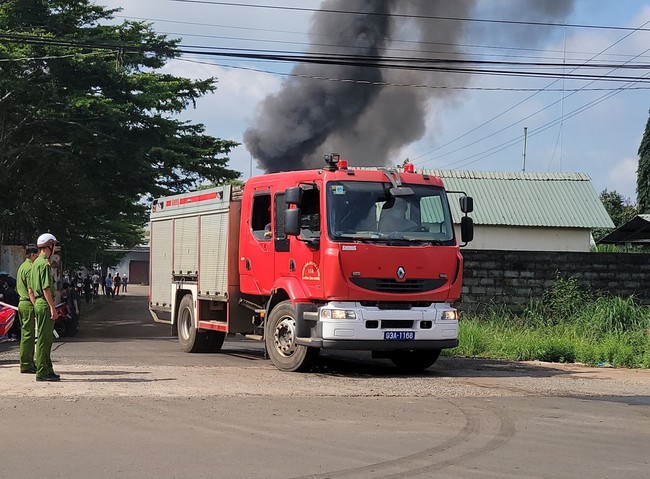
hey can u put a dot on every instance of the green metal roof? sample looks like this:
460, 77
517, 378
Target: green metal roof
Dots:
527, 199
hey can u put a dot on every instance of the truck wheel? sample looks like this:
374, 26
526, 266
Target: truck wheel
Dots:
190, 339
280, 340
215, 341
415, 360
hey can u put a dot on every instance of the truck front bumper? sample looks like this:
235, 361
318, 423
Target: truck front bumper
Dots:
371, 328
382, 345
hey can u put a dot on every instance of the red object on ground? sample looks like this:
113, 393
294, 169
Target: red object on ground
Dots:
62, 310
7, 317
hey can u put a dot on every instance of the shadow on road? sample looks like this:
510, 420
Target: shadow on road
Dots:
116, 380
126, 319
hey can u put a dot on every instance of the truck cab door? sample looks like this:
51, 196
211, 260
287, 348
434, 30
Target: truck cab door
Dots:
284, 266
304, 259
256, 263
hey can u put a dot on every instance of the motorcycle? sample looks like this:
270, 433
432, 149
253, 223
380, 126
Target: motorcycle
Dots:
66, 324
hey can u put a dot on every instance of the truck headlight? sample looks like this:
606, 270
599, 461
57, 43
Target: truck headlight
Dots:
337, 314
449, 315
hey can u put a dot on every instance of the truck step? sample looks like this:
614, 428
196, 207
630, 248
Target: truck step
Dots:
214, 325
255, 337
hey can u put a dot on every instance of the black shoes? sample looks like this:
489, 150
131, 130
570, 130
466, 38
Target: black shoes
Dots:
29, 371
52, 377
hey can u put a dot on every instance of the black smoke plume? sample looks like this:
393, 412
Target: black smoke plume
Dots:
366, 122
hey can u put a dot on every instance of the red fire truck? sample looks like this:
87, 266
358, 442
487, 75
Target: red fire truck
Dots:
336, 258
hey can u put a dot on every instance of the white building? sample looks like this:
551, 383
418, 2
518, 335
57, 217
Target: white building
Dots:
528, 211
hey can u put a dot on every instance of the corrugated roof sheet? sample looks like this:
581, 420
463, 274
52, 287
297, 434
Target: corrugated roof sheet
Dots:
528, 199
637, 230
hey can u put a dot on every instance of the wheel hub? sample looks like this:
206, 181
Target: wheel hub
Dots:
284, 336
184, 325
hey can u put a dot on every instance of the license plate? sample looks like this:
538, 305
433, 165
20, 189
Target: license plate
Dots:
399, 335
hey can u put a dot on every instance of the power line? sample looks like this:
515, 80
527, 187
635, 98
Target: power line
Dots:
404, 15
406, 85
51, 57
458, 66
388, 38
503, 146
528, 98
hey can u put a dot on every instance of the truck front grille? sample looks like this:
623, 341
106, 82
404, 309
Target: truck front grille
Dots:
390, 285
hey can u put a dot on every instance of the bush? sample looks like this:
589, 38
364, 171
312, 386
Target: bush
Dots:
472, 339
567, 325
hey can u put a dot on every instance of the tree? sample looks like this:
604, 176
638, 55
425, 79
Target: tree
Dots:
643, 172
620, 210
89, 131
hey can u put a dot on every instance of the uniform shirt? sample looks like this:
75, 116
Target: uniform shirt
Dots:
41, 275
24, 280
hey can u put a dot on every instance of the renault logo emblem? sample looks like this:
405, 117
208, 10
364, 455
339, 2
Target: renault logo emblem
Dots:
401, 272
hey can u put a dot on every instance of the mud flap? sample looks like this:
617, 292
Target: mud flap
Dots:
306, 323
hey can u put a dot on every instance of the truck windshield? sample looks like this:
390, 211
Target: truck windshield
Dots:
366, 211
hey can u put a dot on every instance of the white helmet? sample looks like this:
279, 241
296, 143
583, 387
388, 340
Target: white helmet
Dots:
45, 238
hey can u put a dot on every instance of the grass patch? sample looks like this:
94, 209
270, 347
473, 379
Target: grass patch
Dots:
567, 325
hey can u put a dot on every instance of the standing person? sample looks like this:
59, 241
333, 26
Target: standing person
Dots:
44, 308
26, 311
72, 300
125, 281
117, 281
109, 284
95, 284
88, 288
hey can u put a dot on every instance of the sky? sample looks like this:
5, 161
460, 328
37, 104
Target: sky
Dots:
476, 123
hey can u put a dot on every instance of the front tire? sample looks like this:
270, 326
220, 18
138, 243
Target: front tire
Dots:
280, 340
414, 361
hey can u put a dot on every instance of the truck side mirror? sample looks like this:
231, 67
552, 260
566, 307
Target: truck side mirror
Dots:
466, 204
466, 229
293, 195
292, 221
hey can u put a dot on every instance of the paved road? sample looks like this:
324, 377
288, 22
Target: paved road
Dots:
132, 405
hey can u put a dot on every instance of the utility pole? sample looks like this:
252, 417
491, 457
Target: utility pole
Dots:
523, 161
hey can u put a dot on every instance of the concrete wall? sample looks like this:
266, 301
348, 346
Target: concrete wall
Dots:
11, 257
518, 238
513, 278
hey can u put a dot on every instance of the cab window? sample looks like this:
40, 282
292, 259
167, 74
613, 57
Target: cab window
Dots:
261, 217
310, 214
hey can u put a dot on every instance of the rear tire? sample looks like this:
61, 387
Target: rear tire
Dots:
280, 340
190, 339
215, 341
415, 360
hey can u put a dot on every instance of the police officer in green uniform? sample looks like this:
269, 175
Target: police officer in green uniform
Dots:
44, 308
26, 310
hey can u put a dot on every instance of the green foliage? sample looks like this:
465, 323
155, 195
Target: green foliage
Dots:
473, 338
567, 325
89, 133
643, 172
620, 210
563, 300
